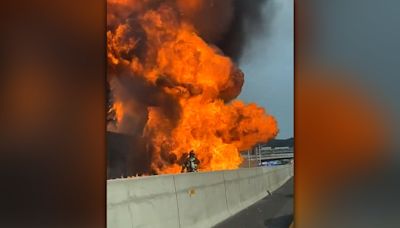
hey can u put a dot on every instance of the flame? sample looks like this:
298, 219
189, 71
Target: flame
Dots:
119, 111
166, 51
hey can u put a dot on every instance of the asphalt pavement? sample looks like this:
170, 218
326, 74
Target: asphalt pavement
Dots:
273, 211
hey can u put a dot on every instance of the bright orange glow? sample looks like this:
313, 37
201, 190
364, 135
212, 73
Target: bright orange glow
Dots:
119, 112
203, 82
341, 136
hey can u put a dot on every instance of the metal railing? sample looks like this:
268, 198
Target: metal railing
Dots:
258, 155
269, 156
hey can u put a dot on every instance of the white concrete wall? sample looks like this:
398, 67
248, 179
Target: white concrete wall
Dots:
142, 202
189, 200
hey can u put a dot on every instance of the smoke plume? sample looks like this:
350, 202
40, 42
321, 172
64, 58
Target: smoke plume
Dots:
174, 90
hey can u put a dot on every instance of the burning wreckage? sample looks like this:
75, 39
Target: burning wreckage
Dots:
173, 92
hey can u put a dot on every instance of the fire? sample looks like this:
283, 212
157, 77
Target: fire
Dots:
157, 45
119, 111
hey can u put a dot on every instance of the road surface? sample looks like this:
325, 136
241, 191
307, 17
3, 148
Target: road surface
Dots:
273, 211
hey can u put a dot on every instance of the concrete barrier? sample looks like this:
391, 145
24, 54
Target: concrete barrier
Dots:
189, 200
248, 186
201, 199
142, 202
232, 191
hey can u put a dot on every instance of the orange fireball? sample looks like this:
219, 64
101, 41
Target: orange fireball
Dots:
156, 44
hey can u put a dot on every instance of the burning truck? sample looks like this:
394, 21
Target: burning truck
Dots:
172, 90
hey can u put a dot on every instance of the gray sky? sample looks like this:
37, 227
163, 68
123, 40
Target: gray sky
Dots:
268, 65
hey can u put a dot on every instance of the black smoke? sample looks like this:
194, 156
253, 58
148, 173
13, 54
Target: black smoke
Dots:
228, 24
247, 22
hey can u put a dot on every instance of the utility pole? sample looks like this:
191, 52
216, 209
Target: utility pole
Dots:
248, 156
